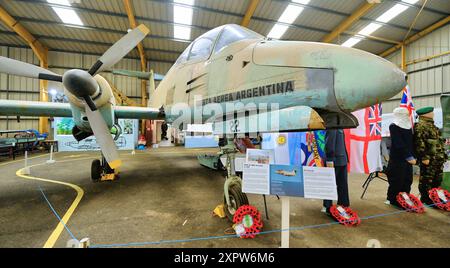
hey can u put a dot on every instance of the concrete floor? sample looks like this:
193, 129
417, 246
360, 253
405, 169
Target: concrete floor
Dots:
162, 189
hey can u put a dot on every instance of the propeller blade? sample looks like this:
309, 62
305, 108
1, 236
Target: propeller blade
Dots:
103, 136
15, 67
120, 49
90, 103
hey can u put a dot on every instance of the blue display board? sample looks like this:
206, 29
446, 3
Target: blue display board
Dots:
286, 180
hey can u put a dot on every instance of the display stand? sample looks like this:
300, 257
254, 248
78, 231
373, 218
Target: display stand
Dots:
285, 213
265, 207
370, 178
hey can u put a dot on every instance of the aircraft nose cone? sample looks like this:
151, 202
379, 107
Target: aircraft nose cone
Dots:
364, 79
80, 83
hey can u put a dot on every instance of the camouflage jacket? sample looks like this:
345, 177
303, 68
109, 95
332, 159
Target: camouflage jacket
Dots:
428, 142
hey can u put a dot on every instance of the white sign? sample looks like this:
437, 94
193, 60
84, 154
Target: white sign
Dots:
256, 179
320, 183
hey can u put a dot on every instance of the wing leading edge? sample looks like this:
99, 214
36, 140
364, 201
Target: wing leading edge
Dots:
51, 109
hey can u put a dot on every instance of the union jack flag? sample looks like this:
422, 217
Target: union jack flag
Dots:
407, 103
374, 119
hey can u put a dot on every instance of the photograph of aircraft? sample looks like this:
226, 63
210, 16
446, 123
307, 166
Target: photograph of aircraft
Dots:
314, 86
285, 173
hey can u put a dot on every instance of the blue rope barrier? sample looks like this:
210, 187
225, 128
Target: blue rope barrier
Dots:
56, 214
236, 236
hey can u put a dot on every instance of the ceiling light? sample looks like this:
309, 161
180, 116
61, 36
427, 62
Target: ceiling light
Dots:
182, 15
184, 2
60, 2
68, 16
304, 2
392, 13
182, 32
370, 29
412, 2
277, 31
290, 14
351, 42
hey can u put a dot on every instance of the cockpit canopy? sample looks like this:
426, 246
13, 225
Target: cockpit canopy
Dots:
216, 40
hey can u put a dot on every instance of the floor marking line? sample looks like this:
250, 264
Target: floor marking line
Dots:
60, 227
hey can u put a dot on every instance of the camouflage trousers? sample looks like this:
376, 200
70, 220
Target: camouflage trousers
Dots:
430, 177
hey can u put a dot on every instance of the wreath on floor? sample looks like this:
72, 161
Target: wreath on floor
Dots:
250, 219
440, 197
410, 203
345, 215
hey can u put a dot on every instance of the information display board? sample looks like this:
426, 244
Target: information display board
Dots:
261, 177
67, 143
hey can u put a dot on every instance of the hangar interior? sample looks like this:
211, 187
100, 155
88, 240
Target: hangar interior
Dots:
164, 193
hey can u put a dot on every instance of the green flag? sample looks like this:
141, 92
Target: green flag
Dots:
445, 102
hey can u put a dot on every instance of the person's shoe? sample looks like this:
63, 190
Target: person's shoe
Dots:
387, 202
323, 210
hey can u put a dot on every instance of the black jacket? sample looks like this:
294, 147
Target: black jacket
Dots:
402, 143
335, 148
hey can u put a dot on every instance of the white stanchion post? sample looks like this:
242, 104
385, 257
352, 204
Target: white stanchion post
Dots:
285, 213
133, 152
51, 161
26, 170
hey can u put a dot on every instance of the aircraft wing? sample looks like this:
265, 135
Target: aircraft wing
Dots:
34, 108
52, 109
130, 112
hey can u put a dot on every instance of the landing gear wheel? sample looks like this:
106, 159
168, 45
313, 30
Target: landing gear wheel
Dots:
237, 199
96, 170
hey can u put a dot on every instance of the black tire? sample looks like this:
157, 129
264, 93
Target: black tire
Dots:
96, 170
237, 199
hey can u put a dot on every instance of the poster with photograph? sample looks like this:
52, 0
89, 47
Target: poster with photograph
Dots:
67, 143
257, 156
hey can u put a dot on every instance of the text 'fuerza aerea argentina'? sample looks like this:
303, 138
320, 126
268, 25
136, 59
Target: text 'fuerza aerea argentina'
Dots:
267, 90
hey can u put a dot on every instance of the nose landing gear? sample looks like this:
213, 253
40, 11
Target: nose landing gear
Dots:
101, 171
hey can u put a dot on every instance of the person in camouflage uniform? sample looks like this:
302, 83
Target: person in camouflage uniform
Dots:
430, 152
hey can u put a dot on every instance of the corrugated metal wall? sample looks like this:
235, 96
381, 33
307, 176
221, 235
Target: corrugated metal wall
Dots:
428, 79
20, 88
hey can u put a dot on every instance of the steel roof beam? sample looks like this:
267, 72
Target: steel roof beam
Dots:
348, 22
416, 36
90, 42
249, 13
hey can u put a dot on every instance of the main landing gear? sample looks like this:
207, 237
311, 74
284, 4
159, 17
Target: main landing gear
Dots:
101, 171
234, 198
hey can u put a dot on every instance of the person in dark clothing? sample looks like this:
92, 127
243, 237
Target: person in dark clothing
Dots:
336, 156
401, 158
164, 128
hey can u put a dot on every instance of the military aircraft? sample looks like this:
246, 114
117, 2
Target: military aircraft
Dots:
228, 76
